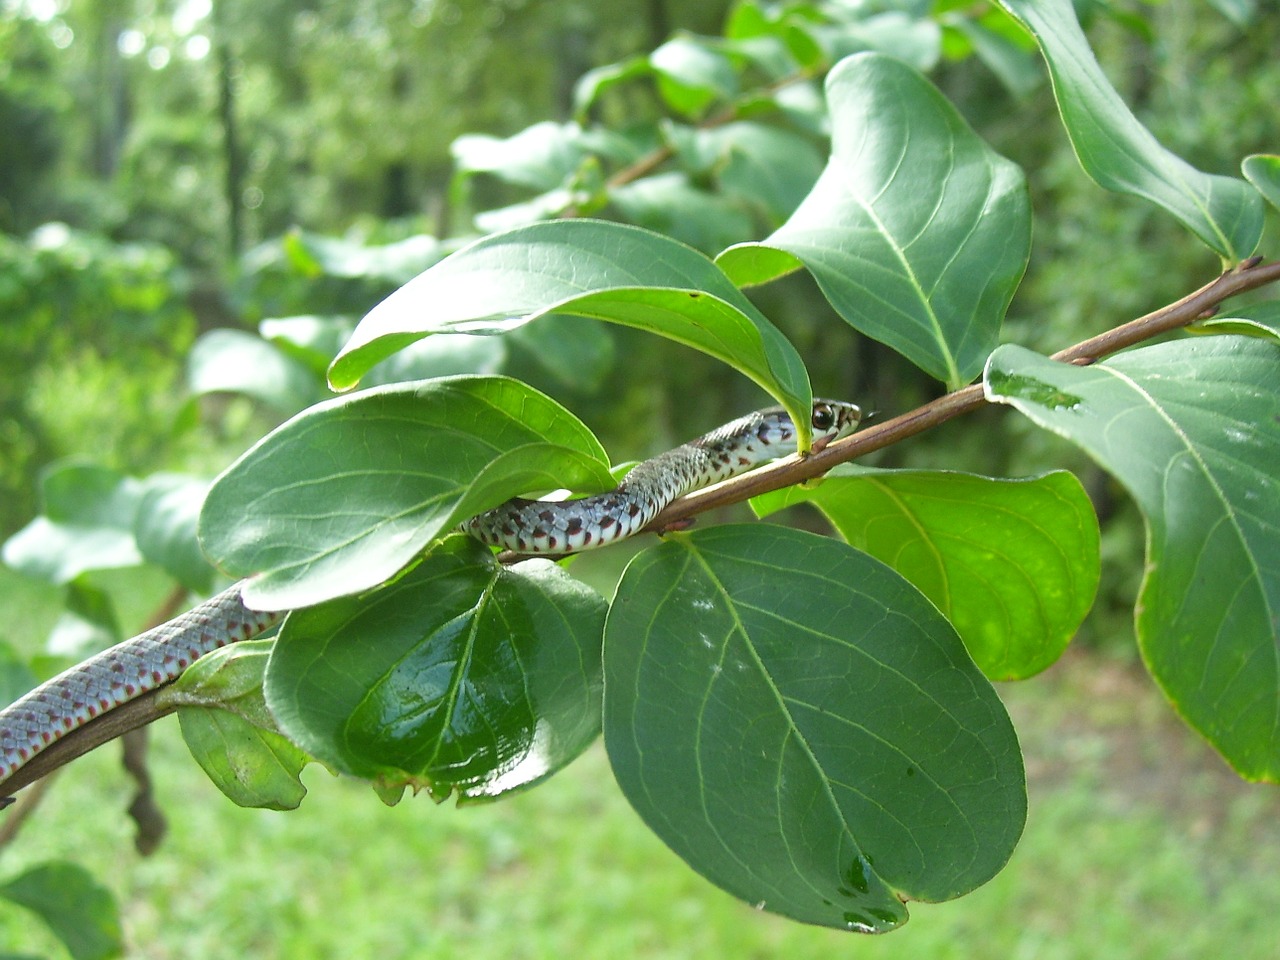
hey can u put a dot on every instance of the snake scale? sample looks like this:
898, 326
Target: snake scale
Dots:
151, 659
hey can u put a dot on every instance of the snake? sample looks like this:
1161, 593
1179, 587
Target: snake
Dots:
540, 527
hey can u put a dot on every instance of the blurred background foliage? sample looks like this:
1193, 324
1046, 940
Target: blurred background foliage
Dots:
174, 166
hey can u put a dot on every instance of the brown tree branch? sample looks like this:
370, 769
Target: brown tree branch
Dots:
791, 470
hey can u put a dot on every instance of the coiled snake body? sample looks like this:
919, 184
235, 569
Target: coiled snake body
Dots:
151, 659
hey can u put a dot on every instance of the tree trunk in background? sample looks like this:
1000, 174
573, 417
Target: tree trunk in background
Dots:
233, 162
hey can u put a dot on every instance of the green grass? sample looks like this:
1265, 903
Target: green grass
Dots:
1138, 846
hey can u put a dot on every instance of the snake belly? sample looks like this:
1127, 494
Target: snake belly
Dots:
552, 528
149, 660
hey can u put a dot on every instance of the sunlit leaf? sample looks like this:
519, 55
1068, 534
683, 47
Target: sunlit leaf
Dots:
1119, 153
1013, 564
589, 268
917, 232
1263, 171
1192, 429
804, 728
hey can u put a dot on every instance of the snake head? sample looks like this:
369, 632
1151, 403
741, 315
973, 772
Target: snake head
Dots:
833, 419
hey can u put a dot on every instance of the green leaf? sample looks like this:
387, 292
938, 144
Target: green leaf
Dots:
232, 361
589, 268
691, 76
1120, 154
87, 524
1013, 564
669, 203
771, 168
230, 732
539, 157
463, 675
345, 494
1014, 66
916, 232
312, 340
16, 678
165, 528
804, 728
444, 355
1254, 320
1192, 430
318, 255
916, 41
578, 355
1263, 171
77, 909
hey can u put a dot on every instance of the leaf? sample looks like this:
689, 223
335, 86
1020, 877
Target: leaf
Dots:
770, 167
345, 494
86, 625
16, 677
312, 340
578, 355
804, 728
1013, 564
444, 355
1015, 67
1254, 320
87, 524
1120, 154
232, 361
79, 911
165, 528
539, 157
590, 268
916, 41
669, 203
1263, 171
691, 76
1192, 430
230, 732
916, 232
463, 675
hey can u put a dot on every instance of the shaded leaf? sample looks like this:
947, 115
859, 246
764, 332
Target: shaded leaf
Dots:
463, 675
916, 232
1192, 430
1263, 171
232, 361
804, 728
1013, 564
1254, 320
165, 528
1120, 154
77, 909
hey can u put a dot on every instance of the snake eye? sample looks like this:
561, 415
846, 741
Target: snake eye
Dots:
824, 418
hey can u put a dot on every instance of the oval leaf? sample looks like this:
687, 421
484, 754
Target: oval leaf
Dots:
230, 732
1192, 429
232, 361
917, 232
804, 728
342, 496
590, 268
1013, 564
1120, 154
165, 528
1263, 171
463, 675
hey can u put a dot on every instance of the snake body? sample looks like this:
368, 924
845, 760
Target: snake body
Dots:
151, 659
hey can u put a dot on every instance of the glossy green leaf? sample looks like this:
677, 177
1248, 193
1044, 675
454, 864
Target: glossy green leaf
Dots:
80, 911
1119, 153
1254, 320
1263, 171
589, 268
1192, 429
1013, 564
165, 528
916, 232
804, 728
230, 732
232, 361
347, 493
463, 675
86, 523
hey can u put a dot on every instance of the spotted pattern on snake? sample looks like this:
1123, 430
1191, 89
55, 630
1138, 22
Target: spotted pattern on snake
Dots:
136, 666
